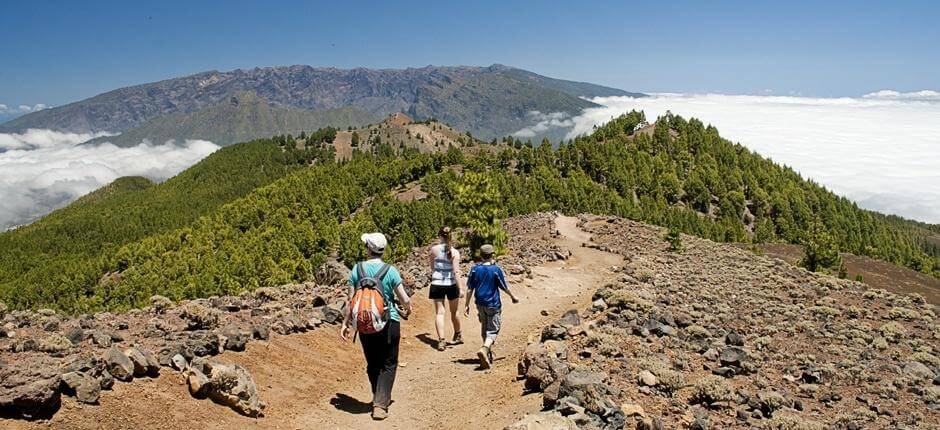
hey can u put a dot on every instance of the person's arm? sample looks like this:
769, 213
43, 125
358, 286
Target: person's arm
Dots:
347, 319
504, 286
403, 299
466, 311
455, 260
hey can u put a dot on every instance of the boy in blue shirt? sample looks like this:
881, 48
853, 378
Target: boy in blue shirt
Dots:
485, 281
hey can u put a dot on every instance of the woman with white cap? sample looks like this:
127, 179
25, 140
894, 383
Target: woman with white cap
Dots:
374, 282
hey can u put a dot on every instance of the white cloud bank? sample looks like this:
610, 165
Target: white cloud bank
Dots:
21, 109
42, 170
881, 150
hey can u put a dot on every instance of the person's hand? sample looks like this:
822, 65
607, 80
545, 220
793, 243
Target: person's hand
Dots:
514, 299
344, 332
466, 311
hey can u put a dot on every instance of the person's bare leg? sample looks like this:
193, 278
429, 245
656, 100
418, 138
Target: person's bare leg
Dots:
454, 317
439, 318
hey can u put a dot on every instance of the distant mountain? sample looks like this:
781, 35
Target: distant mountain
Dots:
242, 117
488, 101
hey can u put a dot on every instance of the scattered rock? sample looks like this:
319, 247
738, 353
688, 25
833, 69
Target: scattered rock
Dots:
547, 420
235, 339
86, 389
119, 366
227, 384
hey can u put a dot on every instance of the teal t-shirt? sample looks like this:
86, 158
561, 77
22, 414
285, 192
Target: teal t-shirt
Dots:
391, 281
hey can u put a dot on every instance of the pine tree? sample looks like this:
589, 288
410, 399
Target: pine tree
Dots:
479, 207
819, 249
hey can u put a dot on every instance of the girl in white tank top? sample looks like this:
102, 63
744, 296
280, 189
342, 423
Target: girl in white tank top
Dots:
446, 285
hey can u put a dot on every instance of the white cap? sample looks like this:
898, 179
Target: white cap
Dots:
376, 242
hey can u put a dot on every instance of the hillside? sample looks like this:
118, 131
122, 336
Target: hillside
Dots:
613, 331
243, 117
64, 247
399, 132
487, 101
681, 174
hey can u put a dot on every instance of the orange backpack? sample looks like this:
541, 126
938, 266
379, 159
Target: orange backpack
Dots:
368, 302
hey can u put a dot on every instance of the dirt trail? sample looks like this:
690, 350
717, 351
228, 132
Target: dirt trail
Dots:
314, 380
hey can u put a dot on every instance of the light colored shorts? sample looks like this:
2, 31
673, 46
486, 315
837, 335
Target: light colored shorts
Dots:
490, 320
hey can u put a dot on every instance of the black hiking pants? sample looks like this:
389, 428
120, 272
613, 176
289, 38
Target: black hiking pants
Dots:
381, 351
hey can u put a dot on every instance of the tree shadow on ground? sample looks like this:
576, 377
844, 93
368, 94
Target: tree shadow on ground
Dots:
350, 404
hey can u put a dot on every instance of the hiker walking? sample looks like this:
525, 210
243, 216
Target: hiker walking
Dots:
372, 312
445, 284
485, 281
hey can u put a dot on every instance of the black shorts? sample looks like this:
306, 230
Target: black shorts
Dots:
439, 292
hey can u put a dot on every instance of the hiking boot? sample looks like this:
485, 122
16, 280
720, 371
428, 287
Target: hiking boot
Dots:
379, 414
441, 345
485, 357
458, 338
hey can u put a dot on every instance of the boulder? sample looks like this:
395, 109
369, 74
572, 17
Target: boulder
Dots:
234, 339
85, 388
260, 331
226, 384
101, 339
145, 364
646, 378
732, 356
547, 420
332, 272
329, 314
90, 366
30, 390
734, 339
918, 370
200, 344
75, 335
179, 362
541, 365
563, 327
119, 366
589, 390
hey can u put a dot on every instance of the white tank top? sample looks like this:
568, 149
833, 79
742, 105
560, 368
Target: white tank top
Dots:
443, 267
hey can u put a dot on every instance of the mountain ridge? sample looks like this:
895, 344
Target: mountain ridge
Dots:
242, 117
488, 101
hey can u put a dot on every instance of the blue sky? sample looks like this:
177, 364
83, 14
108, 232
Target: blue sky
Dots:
55, 52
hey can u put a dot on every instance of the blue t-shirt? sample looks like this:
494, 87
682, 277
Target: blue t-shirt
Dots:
391, 281
486, 279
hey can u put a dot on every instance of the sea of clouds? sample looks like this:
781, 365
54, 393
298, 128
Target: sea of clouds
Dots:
881, 150
42, 170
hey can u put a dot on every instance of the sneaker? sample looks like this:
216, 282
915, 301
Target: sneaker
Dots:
458, 338
485, 357
441, 345
379, 414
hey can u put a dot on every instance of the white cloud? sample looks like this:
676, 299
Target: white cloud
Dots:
923, 95
881, 150
42, 170
21, 109
544, 122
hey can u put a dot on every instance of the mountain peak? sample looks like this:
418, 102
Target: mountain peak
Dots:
398, 118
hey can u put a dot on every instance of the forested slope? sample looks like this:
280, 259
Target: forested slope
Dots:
64, 247
680, 174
